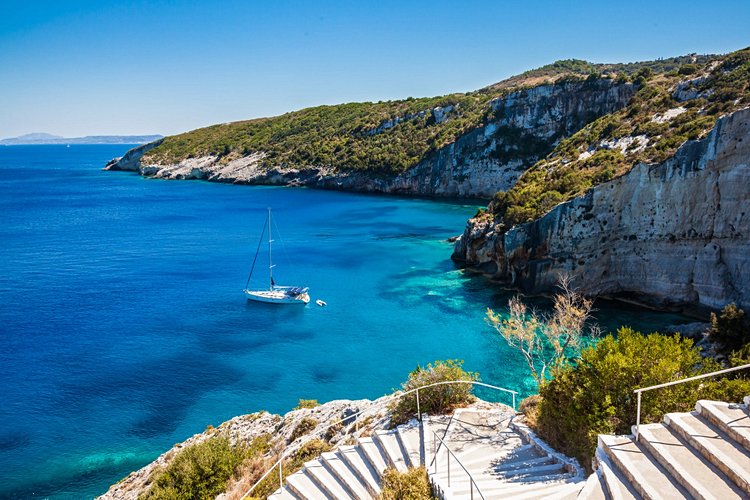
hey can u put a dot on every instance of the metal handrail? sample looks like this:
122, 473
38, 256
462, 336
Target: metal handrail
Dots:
682, 381
472, 484
389, 399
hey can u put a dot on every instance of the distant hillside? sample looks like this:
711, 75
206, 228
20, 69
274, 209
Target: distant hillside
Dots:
42, 138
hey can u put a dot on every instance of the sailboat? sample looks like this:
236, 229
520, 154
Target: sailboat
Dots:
276, 294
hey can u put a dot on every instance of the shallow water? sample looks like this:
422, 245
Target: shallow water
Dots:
123, 328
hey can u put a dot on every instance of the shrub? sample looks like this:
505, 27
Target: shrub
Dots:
410, 485
730, 328
305, 426
198, 471
306, 404
438, 399
308, 451
596, 395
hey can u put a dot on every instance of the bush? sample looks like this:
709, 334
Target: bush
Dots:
305, 426
438, 399
202, 470
596, 396
410, 485
730, 328
306, 404
308, 451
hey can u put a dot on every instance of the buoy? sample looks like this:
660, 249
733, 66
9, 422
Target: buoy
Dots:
321, 303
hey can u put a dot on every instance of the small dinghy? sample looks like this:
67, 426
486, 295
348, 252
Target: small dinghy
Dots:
321, 303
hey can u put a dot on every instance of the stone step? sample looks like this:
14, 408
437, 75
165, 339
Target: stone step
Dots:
595, 488
732, 419
410, 440
282, 494
746, 400
645, 474
460, 488
523, 464
358, 463
391, 448
373, 454
326, 481
304, 488
618, 486
567, 491
534, 471
698, 476
491, 453
345, 475
715, 446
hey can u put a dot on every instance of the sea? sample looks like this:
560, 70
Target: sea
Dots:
124, 329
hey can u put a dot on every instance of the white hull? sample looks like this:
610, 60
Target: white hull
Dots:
276, 297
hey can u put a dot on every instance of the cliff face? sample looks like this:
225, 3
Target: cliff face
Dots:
521, 128
672, 234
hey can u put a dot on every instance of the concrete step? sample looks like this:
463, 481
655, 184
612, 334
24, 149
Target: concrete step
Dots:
646, 475
410, 440
729, 457
345, 475
523, 464
391, 448
746, 400
698, 476
732, 419
304, 488
493, 454
326, 481
567, 491
534, 471
618, 486
282, 494
373, 454
361, 467
595, 488
499, 489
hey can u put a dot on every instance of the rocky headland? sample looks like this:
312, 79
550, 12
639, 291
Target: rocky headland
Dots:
676, 233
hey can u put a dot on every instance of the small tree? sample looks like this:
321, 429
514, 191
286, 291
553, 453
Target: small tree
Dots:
730, 328
546, 340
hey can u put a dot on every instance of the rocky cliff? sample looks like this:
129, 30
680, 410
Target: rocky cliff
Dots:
674, 233
519, 129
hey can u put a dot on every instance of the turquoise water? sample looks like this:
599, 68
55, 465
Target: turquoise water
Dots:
124, 328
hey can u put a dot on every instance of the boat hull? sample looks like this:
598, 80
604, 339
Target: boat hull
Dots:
274, 297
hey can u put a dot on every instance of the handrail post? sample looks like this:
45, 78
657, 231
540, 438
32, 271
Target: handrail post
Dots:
638, 417
449, 469
434, 457
514, 399
281, 473
471, 482
419, 414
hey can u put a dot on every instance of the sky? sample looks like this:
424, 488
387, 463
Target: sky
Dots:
77, 68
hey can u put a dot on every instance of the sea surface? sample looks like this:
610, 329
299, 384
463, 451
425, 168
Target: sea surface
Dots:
123, 327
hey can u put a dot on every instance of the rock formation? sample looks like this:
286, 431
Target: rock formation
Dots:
522, 127
671, 234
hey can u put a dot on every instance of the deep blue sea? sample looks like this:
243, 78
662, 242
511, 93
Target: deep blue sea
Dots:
123, 328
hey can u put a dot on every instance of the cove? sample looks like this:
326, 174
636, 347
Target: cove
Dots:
123, 327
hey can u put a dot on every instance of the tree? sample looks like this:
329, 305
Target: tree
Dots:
546, 340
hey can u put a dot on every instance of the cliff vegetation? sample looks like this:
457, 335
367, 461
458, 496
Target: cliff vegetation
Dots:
383, 138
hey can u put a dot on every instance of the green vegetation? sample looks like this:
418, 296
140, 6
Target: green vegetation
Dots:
730, 328
306, 404
203, 470
410, 485
434, 400
590, 157
596, 395
305, 426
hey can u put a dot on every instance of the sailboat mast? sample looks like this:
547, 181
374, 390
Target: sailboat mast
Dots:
270, 262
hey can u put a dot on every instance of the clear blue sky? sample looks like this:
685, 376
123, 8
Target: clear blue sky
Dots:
100, 67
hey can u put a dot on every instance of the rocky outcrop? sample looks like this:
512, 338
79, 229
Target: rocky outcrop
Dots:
245, 428
672, 234
521, 128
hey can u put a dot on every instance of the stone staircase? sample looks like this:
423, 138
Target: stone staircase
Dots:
506, 460
702, 454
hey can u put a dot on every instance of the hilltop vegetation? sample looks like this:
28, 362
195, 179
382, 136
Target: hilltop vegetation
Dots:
670, 108
383, 138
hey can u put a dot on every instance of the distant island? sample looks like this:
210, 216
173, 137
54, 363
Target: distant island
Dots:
42, 138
